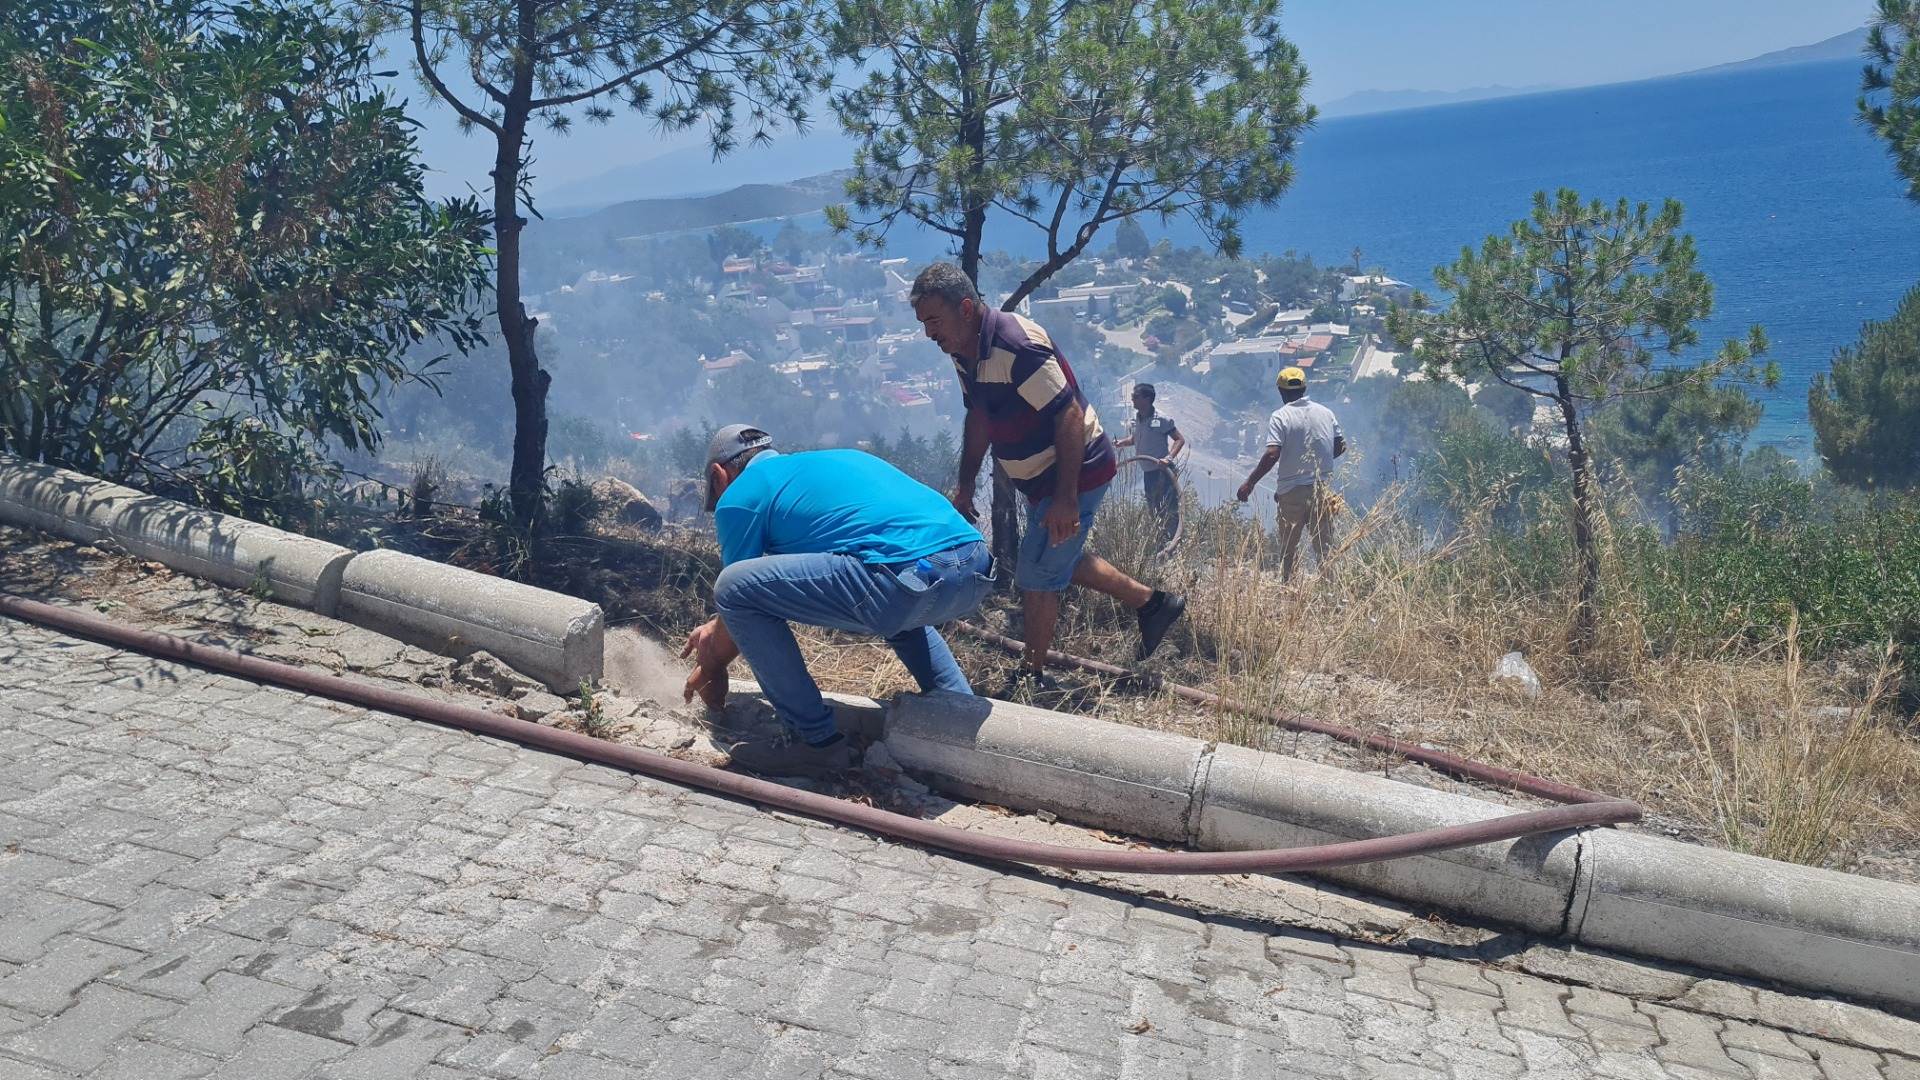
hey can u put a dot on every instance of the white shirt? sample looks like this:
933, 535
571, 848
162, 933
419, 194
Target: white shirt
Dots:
1304, 431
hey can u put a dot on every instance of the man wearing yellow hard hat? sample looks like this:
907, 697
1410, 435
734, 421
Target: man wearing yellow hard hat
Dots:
1303, 438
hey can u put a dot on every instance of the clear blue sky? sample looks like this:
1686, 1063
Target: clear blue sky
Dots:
1348, 46
1352, 45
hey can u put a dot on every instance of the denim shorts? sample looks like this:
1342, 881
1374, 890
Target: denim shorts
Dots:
1046, 567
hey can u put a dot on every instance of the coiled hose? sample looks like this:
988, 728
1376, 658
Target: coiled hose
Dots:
1151, 465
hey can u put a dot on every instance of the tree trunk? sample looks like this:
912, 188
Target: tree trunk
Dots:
526, 486
1586, 615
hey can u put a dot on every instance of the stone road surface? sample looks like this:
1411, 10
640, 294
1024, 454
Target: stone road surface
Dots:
203, 877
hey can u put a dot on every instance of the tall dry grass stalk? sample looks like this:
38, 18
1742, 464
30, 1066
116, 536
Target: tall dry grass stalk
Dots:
1786, 778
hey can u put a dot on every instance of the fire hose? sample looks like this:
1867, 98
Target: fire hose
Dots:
1590, 810
1148, 466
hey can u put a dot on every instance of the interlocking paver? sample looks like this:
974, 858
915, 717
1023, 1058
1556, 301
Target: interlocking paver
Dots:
276, 1053
1687, 1038
1768, 1067
1839, 1062
80, 1037
216, 1023
46, 984
1385, 974
1549, 1058
215, 878
401, 1045
144, 1060
1900, 1068
1530, 1004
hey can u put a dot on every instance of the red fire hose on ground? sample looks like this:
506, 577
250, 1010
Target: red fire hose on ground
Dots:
1587, 809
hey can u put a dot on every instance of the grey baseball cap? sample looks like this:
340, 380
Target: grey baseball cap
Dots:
729, 443
733, 440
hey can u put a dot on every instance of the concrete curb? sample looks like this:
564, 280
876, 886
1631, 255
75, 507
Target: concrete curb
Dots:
1720, 910
231, 551
226, 550
555, 638
56, 501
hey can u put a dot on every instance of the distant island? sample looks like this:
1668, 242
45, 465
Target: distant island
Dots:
1377, 101
1845, 46
1838, 47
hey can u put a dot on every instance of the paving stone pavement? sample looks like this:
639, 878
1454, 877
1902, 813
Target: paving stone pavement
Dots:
204, 877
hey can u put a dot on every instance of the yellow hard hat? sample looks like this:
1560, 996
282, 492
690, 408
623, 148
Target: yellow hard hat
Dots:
1291, 378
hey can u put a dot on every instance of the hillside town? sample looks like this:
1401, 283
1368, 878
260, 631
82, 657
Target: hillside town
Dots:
829, 336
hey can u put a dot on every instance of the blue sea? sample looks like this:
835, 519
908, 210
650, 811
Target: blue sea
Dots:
1798, 215
1799, 218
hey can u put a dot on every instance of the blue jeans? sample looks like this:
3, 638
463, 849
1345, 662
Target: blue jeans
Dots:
1046, 566
900, 602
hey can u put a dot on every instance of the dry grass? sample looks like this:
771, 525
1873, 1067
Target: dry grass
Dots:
1752, 747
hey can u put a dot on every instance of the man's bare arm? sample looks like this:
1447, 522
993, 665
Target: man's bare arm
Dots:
973, 451
1267, 462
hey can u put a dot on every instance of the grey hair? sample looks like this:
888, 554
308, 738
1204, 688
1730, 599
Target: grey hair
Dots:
946, 281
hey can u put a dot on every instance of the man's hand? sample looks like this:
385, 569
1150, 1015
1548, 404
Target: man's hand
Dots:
712, 649
1062, 520
1246, 491
963, 502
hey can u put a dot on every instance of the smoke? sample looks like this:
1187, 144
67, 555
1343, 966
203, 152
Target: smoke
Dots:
637, 664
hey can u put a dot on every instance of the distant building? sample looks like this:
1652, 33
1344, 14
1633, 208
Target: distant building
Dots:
1355, 286
1267, 351
733, 359
810, 372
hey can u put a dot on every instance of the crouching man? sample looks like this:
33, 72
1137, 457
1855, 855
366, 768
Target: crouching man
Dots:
834, 538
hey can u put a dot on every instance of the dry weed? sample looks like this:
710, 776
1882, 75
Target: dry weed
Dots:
1757, 749
1751, 748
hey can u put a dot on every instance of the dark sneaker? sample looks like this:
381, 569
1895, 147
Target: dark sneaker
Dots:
1024, 685
1160, 613
795, 758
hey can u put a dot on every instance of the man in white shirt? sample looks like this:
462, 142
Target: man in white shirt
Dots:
1303, 438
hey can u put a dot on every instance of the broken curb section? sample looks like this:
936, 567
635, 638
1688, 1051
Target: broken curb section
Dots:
1624, 891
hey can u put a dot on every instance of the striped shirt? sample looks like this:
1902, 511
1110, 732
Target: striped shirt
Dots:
1018, 384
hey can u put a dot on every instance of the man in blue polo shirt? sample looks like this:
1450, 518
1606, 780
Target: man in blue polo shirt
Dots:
1022, 399
834, 538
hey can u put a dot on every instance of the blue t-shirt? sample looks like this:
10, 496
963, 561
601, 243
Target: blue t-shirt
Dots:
841, 502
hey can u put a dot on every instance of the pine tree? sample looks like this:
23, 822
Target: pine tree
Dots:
1866, 412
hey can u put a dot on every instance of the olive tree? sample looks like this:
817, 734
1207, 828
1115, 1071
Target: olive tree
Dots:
215, 253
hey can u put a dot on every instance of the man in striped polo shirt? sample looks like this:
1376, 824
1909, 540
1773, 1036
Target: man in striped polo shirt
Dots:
1021, 397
